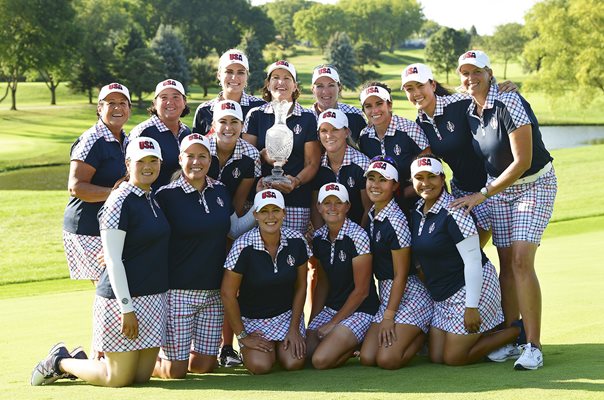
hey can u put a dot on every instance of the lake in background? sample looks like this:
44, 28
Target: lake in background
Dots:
561, 137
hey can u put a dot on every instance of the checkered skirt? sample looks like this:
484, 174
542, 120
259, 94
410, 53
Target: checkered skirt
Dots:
449, 313
82, 252
297, 219
357, 322
151, 312
416, 307
482, 212
274, 328
522, 212
194, 323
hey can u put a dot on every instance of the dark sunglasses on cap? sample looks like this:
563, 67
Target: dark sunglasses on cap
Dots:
384, 158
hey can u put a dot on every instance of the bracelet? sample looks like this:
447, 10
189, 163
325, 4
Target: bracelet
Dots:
389, 314
299, 182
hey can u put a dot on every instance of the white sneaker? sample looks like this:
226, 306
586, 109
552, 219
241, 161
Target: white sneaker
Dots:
507, 352
531, 358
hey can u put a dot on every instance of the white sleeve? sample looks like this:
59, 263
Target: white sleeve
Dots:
241, 225
113, 246
469, 250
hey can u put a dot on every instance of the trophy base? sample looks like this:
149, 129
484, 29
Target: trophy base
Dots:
271, 179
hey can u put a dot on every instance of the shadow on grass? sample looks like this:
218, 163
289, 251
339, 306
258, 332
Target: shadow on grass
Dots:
576, 367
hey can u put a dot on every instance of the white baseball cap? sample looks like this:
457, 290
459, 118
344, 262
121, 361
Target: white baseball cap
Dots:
427, 164
266, 197
233, 56
384, 168
324, 70
193, 138
333, 189
416, 73
169, 84
334, 117
227, 107
375, 91
141, 147
282, 64
114, 88
474, 57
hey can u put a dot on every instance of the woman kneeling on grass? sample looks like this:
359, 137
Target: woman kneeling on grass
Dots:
264, 288
398, 329
135, 236
460, 278
345, 298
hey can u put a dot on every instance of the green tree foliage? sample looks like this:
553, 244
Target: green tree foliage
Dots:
100, 25
318, 23
340, 54
171, 54
366, 54
565, 46
444, 48
136, 65
385, 23
506, 43
282, 13
428, 29
31, 37
262, 26
203, 72
251, 47
207, 24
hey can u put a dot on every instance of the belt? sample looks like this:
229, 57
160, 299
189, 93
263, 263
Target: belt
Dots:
535, 176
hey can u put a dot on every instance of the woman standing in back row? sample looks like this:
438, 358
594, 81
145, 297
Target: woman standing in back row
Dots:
233, 73
521, 189
97, 163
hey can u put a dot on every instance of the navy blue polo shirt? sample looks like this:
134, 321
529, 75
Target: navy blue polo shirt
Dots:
243, 164
267, 288
403, 141
304, 125
200, 222
168, 143
449, 135
433, 240
145, 254
356, 121
98, 148
387, 231
336, 259
504, 113
350, 175
202, 121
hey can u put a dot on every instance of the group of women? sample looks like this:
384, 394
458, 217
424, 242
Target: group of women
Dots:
153, 216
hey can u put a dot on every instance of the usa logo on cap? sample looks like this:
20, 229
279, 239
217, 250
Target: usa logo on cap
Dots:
269, 195
329, 114
332, 187
115, 86
169, 82
235, 57
282, 62
411, 70
469, 54
379, 164
228, 106
146, 145
324, 70
372, 89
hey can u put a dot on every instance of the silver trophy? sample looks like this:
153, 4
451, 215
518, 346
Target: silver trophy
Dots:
279, 142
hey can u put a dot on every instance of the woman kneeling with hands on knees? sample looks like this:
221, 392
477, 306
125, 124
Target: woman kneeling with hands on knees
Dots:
345, 298
264, 289
460, 278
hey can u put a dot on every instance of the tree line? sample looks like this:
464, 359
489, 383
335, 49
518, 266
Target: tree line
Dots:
88, 43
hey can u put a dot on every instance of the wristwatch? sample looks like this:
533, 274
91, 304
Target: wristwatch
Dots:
241, 335
484, 191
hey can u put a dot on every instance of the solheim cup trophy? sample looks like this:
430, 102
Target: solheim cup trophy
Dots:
279, 142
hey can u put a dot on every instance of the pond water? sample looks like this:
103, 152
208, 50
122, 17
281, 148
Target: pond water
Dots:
561, 137
55, 178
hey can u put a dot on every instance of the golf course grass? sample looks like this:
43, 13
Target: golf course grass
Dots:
40, 306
